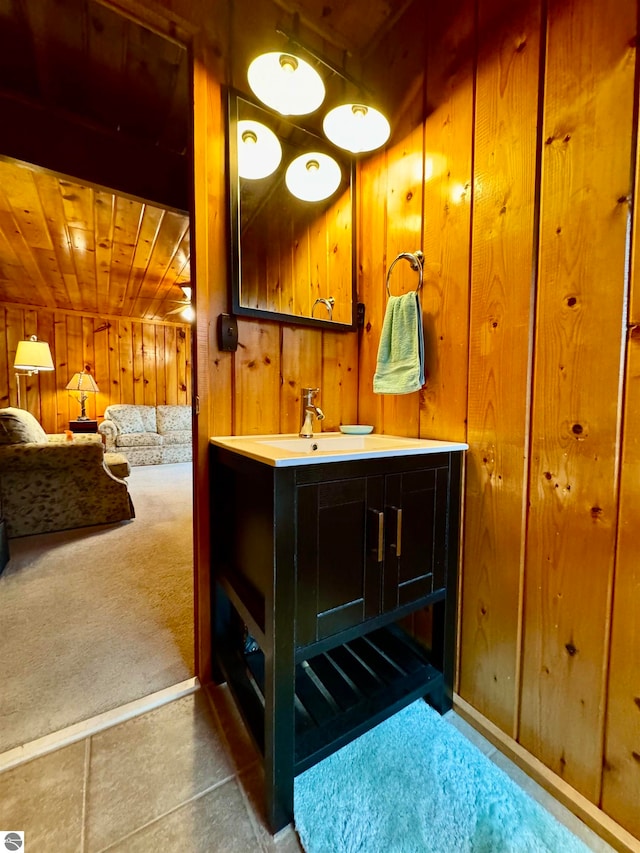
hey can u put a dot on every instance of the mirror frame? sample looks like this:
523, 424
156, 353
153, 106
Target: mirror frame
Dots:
234, 241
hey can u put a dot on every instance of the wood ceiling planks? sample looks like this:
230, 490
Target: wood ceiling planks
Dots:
67, 245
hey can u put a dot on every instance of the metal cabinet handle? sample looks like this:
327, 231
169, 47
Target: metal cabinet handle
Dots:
379, 547
398, 543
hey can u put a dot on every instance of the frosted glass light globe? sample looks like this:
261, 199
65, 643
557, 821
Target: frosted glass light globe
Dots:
259, 150
356, 128
313, 176
286, 83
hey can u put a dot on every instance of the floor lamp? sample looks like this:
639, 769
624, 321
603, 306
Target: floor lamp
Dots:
32, 356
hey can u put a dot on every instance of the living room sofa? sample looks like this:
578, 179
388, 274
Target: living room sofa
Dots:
48, 483
148, 435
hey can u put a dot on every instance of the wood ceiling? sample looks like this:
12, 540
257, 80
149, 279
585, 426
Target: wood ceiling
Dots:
87, 94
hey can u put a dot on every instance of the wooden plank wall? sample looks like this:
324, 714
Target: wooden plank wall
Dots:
285, 271
131, 361
520, 196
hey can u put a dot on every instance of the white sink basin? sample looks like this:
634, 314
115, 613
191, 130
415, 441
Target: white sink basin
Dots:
321, 443
286, 450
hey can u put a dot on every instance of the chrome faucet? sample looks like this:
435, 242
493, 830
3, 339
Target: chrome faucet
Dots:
308, 410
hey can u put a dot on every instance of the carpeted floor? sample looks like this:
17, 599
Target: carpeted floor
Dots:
96, 617
415, 784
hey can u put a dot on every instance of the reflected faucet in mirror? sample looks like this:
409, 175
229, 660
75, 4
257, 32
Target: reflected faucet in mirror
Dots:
328, 304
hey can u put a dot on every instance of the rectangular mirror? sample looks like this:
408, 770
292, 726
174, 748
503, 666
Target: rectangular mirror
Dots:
291, 260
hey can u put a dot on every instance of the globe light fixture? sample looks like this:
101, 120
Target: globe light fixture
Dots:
313, 177
259, 150
286, 83
356, 128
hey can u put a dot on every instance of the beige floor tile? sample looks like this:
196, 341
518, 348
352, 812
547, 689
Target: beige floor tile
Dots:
241, 748
216, 822
146, 767
252, 783
547, 801
44, 798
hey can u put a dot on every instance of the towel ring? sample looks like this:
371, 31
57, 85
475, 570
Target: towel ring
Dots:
415, 259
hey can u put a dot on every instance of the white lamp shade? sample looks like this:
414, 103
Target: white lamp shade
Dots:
356, 128
33, 355
313, 176
286, 83
259, 150
82, 382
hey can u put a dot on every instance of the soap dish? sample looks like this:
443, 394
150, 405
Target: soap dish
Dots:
356, 429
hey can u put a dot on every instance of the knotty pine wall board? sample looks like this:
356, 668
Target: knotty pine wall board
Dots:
502, 269
621, 776
446, 231
372, 225
581, 293
621, 765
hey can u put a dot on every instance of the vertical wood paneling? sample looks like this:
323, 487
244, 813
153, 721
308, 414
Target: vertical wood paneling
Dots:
138, 363
149, 364
125, 364
621, 779
107, 349
114, 335
30, 399
372, 191
499, 355
101, 368
47, 381
301, 368
446, 227
213, 383
15, 333
170, 367
340, 234
214, 368
589, 90
257, 378
339, 383
621, 765
405, 165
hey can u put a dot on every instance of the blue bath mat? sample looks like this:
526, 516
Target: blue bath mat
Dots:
414, 784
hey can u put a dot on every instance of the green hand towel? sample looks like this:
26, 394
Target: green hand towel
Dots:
400, 367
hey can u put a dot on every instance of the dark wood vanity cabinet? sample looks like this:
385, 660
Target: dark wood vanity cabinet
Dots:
318, 571
367, 545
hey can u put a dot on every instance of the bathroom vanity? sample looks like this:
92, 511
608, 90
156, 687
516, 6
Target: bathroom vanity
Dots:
327, 554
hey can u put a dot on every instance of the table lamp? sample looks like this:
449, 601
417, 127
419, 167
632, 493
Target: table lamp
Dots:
84, 384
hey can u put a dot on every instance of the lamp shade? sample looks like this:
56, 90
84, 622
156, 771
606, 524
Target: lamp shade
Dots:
356, 128
82, 382
286, 83
259, 150
313, 176
33, 355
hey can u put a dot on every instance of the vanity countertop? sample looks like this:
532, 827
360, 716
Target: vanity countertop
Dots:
288, 450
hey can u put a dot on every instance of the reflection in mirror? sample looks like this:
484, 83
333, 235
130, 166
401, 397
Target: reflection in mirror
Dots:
290, 259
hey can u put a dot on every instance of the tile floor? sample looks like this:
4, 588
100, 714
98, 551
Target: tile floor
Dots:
183, 776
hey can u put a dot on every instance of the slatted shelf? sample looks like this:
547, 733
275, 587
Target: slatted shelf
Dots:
342, 693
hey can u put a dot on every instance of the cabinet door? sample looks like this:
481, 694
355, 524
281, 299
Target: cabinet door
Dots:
415, 535
339, 555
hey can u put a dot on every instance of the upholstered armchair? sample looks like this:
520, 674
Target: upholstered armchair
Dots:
54, 485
